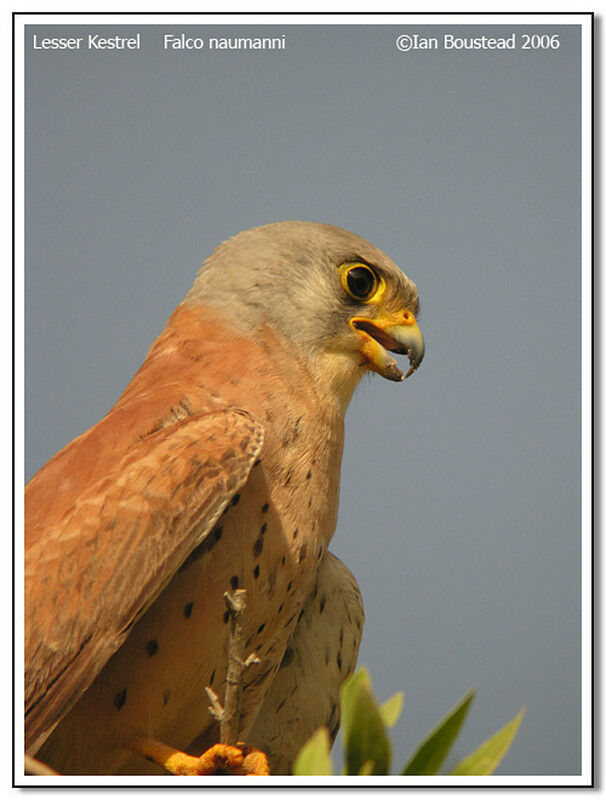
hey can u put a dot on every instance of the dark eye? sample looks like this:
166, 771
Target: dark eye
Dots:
361, 282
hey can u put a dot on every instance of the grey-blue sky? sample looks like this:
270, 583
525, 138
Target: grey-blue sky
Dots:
460, 504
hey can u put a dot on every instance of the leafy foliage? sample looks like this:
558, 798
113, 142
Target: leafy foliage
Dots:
367, 747
486, 758
391, 709
314, 757
431, 752
364, 735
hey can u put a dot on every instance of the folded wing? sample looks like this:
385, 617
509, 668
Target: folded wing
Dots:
92, 574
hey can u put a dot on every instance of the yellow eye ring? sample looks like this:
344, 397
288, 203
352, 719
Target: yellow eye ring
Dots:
360, 281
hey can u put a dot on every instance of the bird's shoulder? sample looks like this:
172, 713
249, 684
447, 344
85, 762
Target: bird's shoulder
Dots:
173, 384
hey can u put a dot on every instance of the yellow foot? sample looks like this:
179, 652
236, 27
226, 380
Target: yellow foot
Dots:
255, 761
221, 759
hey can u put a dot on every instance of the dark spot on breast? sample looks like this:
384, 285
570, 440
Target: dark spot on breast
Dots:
288, 588
300, 615
280, 608
280, 704
322, 603
234, 582
120, 699
256, 571
261, 628
258, 547
271, 583
320, 553
263, 528
257, 462
308, 476
166, 697
187, 610
283, 560
296, 533
212, 677
302, 552
339, 660
217, 533
341, 638
226, 616
235, 500
265, 508
309, 503
248, 641
152, 647
289, 654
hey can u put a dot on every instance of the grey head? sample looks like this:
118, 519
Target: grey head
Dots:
341, 301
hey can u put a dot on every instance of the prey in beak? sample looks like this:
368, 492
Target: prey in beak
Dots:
397, 332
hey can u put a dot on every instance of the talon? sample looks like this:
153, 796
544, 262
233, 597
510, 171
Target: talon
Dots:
255, 761
221, 759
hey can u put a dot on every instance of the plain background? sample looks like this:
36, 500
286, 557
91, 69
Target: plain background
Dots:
460, 501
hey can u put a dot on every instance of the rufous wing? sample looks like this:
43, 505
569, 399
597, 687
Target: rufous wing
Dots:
90, 576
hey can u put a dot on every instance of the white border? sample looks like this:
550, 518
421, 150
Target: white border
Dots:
303, 19
586, 399
585, 22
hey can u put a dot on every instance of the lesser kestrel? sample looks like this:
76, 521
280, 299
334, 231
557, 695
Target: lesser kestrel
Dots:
217, 469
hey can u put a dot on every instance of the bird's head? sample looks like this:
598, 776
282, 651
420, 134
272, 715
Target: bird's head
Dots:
337, 298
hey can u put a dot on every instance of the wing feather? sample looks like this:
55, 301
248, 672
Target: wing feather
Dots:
91, 575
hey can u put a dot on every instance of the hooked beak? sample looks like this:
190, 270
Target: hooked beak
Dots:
396, 332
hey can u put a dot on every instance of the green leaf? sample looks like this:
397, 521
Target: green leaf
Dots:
431, 752
488, 756
366, 768
391, 709
349, 692
363, 731
314, 756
